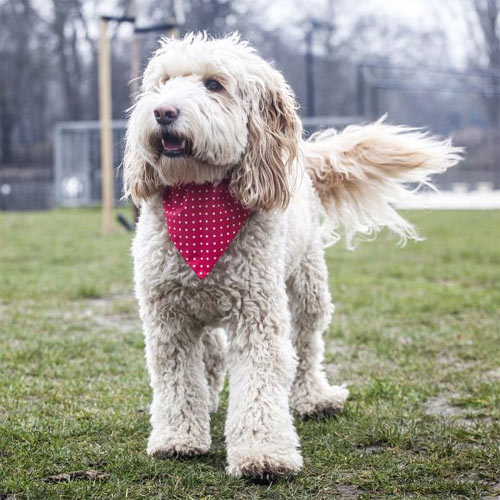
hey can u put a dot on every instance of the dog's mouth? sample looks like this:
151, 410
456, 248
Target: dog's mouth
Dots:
174, 145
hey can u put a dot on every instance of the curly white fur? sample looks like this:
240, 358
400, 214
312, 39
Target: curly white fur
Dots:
269, 291
361, 173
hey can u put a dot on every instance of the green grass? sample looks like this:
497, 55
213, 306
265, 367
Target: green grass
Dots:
416, 334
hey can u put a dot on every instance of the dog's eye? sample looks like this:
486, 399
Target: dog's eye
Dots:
213, 85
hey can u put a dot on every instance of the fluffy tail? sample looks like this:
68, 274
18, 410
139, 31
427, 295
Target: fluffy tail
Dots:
361, 173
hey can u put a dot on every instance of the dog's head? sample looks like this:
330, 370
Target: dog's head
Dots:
210, 109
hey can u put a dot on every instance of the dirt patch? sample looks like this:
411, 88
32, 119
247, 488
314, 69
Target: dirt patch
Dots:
447, 360
112, 298
113, 312
91, 475
119, 323
492, 375
117, 311
343, 491
370, 450
440, 406
348, 491
451, 361
348, 361
495, 492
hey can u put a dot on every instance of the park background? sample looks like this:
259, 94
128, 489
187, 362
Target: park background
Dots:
416, 330
423, 63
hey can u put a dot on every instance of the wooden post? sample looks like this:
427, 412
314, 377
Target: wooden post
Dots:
105, 117
135, 76
173, 33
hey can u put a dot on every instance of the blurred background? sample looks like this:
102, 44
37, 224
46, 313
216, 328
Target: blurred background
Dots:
424, 63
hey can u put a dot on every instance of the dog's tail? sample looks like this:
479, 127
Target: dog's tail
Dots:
362, 172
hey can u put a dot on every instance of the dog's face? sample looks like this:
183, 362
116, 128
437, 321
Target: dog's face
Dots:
210, 109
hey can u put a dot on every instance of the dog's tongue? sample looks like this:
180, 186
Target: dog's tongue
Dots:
172, 144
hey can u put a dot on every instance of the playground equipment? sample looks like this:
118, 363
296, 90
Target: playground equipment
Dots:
105, 95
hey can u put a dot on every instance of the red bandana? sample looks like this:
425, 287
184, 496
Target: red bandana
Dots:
202, 220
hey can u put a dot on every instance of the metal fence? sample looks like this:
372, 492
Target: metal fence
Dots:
76, 176
26, 189
77, 162
77, 172
448, 103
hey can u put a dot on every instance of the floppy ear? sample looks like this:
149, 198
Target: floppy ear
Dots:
263, 177
140, 180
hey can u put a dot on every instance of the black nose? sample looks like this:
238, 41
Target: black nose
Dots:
165, 114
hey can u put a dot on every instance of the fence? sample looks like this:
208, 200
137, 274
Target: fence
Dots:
26, 188
447, 102
76, 177
77, 162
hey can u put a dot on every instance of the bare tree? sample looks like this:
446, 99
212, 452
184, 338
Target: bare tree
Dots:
483, 21
65, 26
488, 13
49, 55
24, 78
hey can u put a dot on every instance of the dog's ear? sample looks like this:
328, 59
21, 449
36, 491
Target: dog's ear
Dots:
263, 177
140, 179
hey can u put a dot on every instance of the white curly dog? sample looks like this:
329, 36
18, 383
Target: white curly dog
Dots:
212, 111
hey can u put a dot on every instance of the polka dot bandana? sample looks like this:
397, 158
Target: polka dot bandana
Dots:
202, 220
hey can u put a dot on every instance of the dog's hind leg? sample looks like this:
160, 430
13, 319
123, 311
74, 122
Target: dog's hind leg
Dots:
312, 308
180, 408
214, 359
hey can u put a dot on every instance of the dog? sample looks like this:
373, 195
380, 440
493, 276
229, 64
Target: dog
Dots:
214, 142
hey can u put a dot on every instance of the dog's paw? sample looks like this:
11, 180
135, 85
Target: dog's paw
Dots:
175, 447
327, 404
264, 467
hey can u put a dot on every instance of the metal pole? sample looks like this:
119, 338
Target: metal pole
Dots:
58, 164
310, 73
374, 102
136, 55
105, 115
360, 89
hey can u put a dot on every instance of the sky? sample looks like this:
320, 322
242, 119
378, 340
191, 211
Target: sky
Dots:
416, 14
426, 14
412, 11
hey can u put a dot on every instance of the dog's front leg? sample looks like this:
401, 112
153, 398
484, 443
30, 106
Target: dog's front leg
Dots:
261, 439
179, 411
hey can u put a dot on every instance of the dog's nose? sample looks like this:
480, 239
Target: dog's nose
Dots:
165, 114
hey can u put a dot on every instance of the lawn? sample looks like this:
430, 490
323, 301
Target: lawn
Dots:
415, 335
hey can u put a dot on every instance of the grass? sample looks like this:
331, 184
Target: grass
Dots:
416, 335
